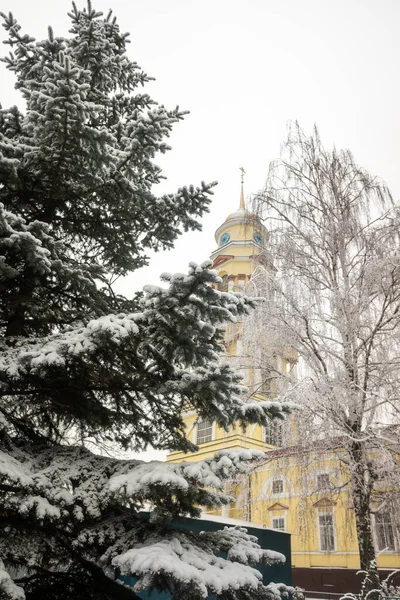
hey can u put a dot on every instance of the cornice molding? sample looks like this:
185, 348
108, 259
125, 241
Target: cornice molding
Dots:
243, 243
278, 506
324, 503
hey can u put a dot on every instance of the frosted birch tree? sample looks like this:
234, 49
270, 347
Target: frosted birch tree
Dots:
336, 301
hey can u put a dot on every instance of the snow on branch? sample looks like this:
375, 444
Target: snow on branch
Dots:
8, 589
183, 563
242, 547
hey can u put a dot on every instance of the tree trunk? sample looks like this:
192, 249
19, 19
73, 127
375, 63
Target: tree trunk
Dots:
362, 484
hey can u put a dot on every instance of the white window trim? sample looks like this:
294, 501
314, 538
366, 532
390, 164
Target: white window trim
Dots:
334, 477
266, 489
284, 523
321, 513
213, 430
283, 487
323, 473
264, 431
375, 537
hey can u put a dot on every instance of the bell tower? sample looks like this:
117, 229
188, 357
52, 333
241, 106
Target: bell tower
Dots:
241, 242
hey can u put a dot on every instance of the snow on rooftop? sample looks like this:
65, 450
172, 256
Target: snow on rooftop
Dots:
235, 522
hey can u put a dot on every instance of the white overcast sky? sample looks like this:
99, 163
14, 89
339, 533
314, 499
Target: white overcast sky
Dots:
244, 69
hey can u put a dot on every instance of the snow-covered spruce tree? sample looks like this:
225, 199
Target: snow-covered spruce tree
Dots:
336, 302
80, 364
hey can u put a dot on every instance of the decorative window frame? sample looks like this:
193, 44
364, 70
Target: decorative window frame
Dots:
324, 474
335, 478
276, 480
283, 517
394, 529
274, 422
288, 487
320, 512
196, 428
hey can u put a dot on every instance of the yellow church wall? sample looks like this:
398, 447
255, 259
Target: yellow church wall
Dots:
238, 231
236, 268
300, 509
300, 504
303, 502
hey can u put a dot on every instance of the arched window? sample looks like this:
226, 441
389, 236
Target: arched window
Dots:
326, 531
384, 531
273, 433
323, 481
277, 486
204, 431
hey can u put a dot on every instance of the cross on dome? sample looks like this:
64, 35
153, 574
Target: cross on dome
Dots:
243, 172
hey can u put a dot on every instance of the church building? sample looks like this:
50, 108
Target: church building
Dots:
298, 488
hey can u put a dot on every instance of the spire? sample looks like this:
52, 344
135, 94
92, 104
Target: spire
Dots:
242, 171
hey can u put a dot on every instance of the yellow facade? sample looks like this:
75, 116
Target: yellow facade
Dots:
300, 500
297, 488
